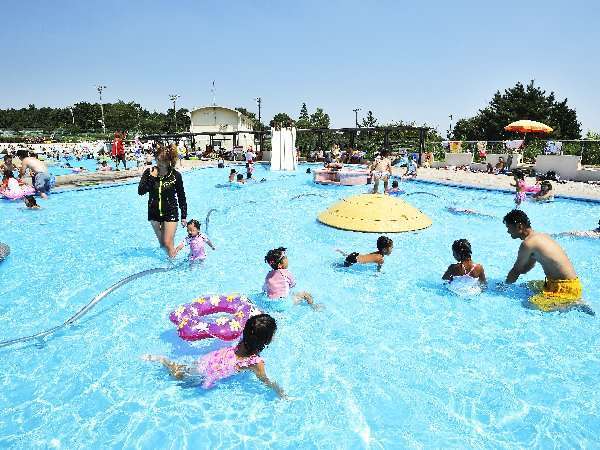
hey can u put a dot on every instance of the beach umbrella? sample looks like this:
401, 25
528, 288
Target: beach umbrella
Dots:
528, 126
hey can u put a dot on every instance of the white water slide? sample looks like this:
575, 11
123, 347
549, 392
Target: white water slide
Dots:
283, 149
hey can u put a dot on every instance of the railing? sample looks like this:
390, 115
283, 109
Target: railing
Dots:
588, 149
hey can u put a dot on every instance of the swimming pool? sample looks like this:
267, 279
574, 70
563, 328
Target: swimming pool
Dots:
393, 361
91, 165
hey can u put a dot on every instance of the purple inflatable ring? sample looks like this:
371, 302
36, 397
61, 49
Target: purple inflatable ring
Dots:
192, 324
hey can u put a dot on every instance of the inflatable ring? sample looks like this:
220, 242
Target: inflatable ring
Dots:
192, 325
17, 194
536, 188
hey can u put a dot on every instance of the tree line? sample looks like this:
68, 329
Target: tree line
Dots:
517, 102
84, 117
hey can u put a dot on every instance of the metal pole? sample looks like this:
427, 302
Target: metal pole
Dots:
356, 116
173, 98
260, 136
100, 88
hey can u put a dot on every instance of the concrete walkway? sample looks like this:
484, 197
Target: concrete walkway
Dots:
570, 189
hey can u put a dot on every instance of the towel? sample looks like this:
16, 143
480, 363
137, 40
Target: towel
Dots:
553, 148
515, 144
482, 148
455, 146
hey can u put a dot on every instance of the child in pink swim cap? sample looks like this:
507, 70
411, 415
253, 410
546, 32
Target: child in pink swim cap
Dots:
279, 280
225, 362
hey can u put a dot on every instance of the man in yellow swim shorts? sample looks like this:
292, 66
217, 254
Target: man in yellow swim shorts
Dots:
562, 289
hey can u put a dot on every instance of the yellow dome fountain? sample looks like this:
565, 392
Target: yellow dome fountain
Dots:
374, 213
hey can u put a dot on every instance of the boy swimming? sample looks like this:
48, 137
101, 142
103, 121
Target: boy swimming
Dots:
384, 248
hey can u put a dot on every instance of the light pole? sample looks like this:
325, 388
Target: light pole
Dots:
100, 88
173, 98
260, 136
356, 116
450, 129
72, 115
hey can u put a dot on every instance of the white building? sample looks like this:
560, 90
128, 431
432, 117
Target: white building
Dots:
220, 120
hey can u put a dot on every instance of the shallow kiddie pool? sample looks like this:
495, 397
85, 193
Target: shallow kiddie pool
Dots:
393, 361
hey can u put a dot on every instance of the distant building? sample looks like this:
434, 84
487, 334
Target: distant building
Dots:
219, 120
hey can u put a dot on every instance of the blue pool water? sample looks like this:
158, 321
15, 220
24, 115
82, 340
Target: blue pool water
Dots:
392, 361
91, 165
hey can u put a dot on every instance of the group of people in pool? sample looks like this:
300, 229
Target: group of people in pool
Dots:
40, 178
542, 190
561, 289
258, 330
381, 170
164, 186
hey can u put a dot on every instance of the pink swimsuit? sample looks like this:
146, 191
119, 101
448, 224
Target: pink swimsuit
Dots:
196, 244
223, 363
521, 191
278, 283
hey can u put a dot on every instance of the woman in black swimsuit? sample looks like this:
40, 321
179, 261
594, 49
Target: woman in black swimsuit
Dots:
167, 197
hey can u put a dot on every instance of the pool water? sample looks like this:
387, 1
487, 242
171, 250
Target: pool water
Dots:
392, 361
91, 165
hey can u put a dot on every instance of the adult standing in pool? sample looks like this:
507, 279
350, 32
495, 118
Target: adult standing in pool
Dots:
38, 170
562, 289
166, 197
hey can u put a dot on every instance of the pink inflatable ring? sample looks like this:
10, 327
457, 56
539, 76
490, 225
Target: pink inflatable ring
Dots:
192, 324
17, 193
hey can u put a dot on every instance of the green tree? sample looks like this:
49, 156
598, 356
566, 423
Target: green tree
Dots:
248, 114
256, 125
303, 118
281, 120
319, 119
519, 102
370, 120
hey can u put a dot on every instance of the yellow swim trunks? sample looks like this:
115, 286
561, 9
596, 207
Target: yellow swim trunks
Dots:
555, 294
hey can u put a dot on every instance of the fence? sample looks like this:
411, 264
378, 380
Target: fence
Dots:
589, 150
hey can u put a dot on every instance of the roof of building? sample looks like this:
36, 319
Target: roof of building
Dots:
214, 107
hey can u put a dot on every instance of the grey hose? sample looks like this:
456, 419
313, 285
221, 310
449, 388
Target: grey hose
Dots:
422, 192
207, 220
87, 307
4, 251
308, 195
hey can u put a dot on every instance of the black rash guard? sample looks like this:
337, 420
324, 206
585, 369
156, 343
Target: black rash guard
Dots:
166, 195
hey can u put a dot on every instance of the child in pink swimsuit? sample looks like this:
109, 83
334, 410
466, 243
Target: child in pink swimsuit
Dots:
225, 362
196, 241
279, 280
522, 188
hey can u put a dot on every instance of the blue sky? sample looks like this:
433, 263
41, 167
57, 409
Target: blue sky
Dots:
408, 61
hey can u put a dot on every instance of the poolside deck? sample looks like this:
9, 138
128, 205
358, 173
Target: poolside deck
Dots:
570, 189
